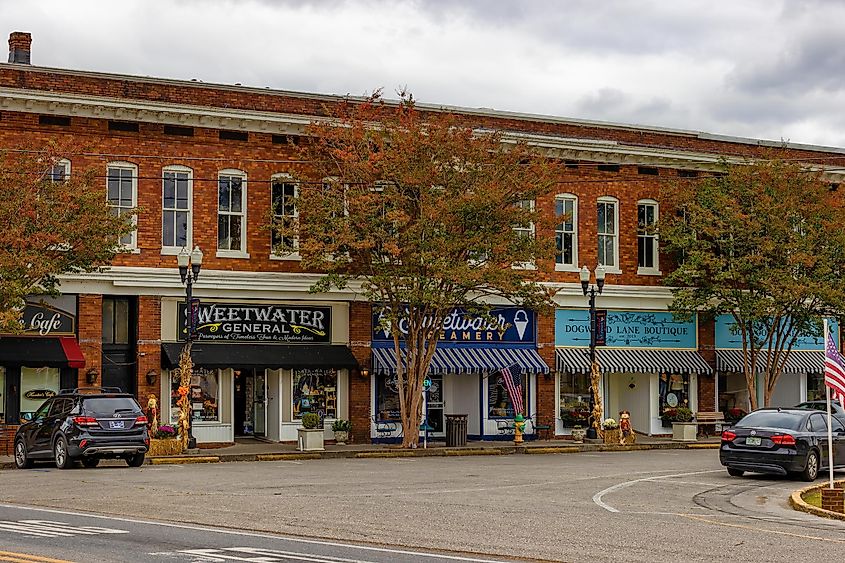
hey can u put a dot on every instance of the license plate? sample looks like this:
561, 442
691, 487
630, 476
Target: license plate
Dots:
117, 424
753, 441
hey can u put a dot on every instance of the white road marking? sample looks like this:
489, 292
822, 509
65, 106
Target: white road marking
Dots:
291, 539
597, 498
50, 529
263, 555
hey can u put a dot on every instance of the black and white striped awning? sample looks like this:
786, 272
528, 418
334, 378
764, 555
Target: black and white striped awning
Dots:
798, 361
621, 360
468, 360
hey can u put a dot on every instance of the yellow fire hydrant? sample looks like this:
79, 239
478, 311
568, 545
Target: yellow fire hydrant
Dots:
518, 428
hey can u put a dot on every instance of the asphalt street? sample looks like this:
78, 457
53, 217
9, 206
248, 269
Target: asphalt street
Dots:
673, 505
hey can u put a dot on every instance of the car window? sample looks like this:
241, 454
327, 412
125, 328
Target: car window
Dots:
836, 425
817, 423
59, 407
108, 406
43, 410
773, 419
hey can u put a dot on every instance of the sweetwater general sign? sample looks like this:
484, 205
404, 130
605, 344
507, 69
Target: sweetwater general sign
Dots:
258, 323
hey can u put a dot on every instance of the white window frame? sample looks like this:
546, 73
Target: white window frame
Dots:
240, 252
611, 268
133, 168
559, 266
530, 229
64, 163
285, 178
174, 250
641, 270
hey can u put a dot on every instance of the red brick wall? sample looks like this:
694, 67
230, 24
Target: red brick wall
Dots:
546, 401
91, 336
7, 438
707, 349
149, 347
360, 331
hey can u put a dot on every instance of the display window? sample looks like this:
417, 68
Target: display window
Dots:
499, 403
673, 389
37, 385
574, 399
204, 395
387, 396
314, 390
815, 387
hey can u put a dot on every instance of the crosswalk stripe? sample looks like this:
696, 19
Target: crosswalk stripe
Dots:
50, 529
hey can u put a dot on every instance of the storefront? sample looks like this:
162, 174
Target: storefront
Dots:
801, 379
650, 363
37, 363
465, 374
259, 367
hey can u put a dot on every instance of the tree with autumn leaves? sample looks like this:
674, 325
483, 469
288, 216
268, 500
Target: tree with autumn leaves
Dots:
424, 214
764, 242
53, 224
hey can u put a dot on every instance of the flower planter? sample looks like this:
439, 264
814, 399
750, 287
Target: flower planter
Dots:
612, 436
684, 431
578, 435
310, 439
341, 437
165, 446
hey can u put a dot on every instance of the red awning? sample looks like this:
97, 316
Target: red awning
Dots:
75, 359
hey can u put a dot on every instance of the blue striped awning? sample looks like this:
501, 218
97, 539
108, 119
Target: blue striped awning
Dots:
622, 360
798, 361
468, 360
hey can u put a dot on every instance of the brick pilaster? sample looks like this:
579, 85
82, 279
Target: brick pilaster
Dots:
90, 323
360, 332
149, 346
546, 402
707, 349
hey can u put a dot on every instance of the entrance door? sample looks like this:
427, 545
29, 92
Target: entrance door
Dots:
434, 407
118, 359
259, 403
243, 417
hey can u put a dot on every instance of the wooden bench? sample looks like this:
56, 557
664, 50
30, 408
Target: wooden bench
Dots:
708, 418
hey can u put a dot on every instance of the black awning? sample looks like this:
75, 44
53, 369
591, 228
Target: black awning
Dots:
272, 356
54, 352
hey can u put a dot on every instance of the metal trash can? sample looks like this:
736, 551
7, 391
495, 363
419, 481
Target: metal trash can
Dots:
456, 430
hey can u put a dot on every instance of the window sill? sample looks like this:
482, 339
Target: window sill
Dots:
284, 257
648, 272
615, 271
232, 254
130, 250
524, 266
173, 250
566, 268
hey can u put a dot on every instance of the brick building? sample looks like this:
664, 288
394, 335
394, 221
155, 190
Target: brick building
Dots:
205, 163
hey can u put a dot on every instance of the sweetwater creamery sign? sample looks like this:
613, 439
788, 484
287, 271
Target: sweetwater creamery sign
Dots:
503, 325
258, 323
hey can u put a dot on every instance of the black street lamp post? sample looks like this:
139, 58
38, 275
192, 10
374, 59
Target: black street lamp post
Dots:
592, 291
194, 260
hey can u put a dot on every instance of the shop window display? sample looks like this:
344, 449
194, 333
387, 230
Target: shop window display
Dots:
815, 387
498, 400
574, 399
674, 391
387, 395
204, 395
37, 385
315, 390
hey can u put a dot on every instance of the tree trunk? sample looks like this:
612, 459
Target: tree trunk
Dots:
595, 377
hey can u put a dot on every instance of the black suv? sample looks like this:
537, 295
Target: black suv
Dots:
84, 424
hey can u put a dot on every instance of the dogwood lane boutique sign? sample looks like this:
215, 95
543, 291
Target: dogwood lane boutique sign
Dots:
258, 323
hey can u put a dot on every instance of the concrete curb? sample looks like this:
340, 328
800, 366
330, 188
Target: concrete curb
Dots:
798, 503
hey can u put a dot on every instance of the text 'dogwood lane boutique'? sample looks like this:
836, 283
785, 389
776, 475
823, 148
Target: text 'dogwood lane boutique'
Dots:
259, 366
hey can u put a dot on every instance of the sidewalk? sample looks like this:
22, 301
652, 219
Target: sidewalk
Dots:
256, 450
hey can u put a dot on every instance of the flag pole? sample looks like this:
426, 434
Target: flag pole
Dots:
829, 416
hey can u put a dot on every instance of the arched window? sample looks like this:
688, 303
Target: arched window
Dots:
122, 193
231, 213
608, 232
566, 232
647, 251
284, 192
177, 195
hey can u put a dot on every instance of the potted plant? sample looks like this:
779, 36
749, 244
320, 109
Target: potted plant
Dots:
578, 434
611, 431
164, 441
683, 429
341, 431
733, 415
311, 433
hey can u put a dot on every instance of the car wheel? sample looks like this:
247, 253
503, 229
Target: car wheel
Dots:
60, 455
22, 460
735, 472
90, 462
811, 470
136, 460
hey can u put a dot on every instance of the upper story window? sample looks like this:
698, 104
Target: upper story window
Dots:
177, 187
608, 232
283, 194
566, 232
122, 187
60, 171
646, 237
526, 230
231, 213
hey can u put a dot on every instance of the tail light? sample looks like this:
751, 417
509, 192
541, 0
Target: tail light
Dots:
141, 420
728, 436
784, 439
83, 443
85, 421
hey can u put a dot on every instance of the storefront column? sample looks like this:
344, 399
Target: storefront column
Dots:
546, 414
707, 349
149, 347
360, 408
90, 323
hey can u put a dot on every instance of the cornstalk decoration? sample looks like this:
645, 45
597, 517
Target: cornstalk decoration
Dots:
184, 402
595, 377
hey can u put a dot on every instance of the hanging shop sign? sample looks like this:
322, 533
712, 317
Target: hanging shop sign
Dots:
729, 337
258, 323
50, 316
506, 325
626, 329
601, 327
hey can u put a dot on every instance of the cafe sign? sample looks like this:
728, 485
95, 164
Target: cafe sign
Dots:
510, 325
46, 320
257, 323
39, 394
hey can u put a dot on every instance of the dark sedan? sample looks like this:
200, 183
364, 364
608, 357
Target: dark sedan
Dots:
782, 442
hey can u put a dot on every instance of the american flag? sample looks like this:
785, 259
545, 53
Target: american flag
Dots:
834, 370
513, 382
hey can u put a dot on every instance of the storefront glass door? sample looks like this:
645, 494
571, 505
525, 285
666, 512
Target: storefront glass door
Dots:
259, 403
434, 407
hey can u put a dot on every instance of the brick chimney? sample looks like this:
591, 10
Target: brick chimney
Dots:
19, 47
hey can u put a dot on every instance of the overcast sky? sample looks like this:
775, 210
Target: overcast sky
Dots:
756, 68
